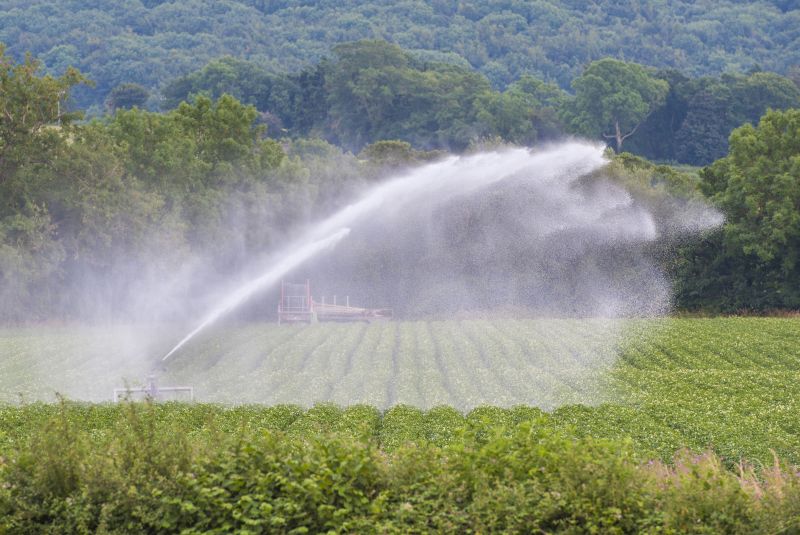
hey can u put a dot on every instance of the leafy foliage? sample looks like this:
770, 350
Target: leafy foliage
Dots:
729, 384
271, 94
127, 96
153, 42
138, 193
699, 114
168, 468
33, 133
372, 91
612, 98
756, 254
106, 203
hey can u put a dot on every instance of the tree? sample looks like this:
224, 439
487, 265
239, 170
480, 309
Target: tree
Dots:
509, 115
655, 139
127, 96
703, 134
153, 41
34, 123
247, 81
391, 155
758, 186
612, 98
524, 113
33, 114
377, 90
157, 151
194, 146
310, 103
794, 75
755, 93
364, 88
547, 98
223, 131
755, 261
716, 106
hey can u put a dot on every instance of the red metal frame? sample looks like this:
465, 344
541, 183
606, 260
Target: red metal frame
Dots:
311, 311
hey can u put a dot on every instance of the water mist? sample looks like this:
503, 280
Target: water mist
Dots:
514, 274
439, 181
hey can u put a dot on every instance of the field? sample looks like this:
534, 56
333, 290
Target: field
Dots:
729, 384
657, 426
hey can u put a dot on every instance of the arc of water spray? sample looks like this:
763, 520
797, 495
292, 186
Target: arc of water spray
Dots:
289, 262
441, 180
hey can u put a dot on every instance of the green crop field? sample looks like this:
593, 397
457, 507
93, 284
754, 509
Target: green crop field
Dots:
729, 384
657, 426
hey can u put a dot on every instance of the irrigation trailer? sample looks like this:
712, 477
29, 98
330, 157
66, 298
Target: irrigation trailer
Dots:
154, 392
298, 306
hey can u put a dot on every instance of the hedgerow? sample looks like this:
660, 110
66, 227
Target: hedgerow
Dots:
177, 468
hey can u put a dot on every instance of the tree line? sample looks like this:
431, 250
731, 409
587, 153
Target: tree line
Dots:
373, 90
88, 207
138, 194
153, 41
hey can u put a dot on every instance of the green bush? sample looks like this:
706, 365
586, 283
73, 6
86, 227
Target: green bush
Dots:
322, 418
441, 425
402, 424
360, 421
158, 469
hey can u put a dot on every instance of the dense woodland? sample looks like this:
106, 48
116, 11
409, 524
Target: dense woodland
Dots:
153, 41
371, 90
479, 64
239, 155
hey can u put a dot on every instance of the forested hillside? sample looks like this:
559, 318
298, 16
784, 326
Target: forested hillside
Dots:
153, 41
369, 91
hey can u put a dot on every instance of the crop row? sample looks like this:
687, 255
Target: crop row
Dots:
731, 384
654, 434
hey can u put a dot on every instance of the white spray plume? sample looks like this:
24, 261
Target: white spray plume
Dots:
440, 181
526, 228
463, 175
286, 263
